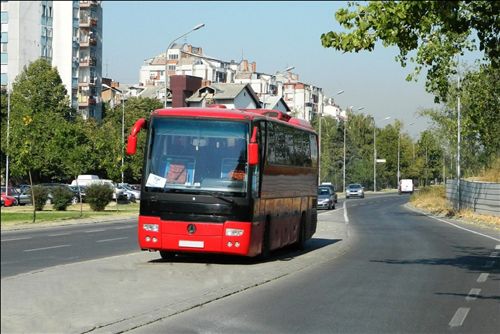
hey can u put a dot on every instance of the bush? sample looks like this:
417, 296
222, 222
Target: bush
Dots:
41, 197
98, 196
61, 198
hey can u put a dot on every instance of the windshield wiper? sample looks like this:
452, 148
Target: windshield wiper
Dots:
221, 197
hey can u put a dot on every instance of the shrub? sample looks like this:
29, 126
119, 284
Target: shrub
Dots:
41, 197
98, 196
61, 198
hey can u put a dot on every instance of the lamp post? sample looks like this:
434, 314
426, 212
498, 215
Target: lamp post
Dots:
123, 128
199, 26
375, 153
7, 141
458, 138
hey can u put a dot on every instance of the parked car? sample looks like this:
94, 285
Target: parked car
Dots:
51, 186
354, 190
132, 194
326, 199
23, 197
8, 200
332, 187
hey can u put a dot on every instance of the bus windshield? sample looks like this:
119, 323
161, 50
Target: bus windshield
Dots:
193, 155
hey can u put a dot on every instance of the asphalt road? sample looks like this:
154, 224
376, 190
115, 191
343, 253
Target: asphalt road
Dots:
406, 273
376, 267
28, 250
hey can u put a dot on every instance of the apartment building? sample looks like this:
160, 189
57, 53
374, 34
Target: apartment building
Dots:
66, 33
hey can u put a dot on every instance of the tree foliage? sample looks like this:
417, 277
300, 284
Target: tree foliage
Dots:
436, 30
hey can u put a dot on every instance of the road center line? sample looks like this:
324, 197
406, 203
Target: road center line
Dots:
346, 219
94, 231
58, 234
45, 248
459, 317
482, 278
124, 227
106, 240
473, 293
15, 239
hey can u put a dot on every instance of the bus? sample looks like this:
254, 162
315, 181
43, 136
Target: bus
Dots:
226, 181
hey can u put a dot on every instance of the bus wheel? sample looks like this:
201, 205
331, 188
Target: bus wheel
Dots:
301, 242
166, 255
266, 248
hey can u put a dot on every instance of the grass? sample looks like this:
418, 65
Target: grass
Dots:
433, 200
24, 214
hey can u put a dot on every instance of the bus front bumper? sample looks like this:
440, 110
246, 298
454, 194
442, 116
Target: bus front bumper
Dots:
230, 237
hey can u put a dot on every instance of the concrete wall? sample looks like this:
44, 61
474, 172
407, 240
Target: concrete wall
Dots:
483, 198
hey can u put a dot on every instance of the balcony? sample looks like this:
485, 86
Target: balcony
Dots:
88, 4
88, 61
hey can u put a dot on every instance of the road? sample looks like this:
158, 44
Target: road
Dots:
406, 274
29, 250
375, 267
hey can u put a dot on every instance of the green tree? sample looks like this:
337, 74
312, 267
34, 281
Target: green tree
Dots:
427, 33
39, 106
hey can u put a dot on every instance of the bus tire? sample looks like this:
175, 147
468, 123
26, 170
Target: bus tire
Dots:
301, 242
266, 241
166, 255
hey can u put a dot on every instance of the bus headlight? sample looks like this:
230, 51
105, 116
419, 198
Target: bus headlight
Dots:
234, 232
151, 227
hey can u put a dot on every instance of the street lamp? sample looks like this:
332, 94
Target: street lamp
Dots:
123, 128
199, 26
375, 153
7, 141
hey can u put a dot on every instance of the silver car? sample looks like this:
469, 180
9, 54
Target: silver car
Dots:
354, 190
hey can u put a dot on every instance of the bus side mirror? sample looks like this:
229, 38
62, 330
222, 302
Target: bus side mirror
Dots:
131, 145
132, 138
253, 148
253, 154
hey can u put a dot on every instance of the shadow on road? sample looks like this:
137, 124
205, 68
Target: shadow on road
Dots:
284, 254
466, 295
474, 259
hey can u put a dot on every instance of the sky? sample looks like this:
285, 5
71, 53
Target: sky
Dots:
275, 35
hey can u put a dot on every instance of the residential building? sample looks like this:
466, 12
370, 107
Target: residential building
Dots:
66, 33
233, 96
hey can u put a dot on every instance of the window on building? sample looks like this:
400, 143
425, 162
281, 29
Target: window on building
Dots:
4, 47
171, 67
4, 37
4, 57
4, 79
5, 17
173, 56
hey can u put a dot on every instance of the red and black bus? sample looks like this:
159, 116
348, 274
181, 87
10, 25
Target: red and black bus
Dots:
226, 181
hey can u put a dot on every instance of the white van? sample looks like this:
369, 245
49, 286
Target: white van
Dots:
406, 186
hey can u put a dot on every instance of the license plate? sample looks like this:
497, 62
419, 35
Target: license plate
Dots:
192, 244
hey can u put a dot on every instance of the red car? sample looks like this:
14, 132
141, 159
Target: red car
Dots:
8, 200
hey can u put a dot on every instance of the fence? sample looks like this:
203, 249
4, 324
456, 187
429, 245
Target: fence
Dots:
483, 198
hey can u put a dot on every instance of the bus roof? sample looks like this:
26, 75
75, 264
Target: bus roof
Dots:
247, 114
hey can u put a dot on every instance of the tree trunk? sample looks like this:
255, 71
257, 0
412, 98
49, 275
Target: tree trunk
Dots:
32, 197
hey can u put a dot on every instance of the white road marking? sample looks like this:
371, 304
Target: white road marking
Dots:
124, 227
58, 234
106, 240
346, 219
497, 247
494, 254
15, 239
460, 227
94, 231
45, 248
482, 278
459, 317
473, 293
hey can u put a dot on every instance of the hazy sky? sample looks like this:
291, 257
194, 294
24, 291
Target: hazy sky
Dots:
273, 34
